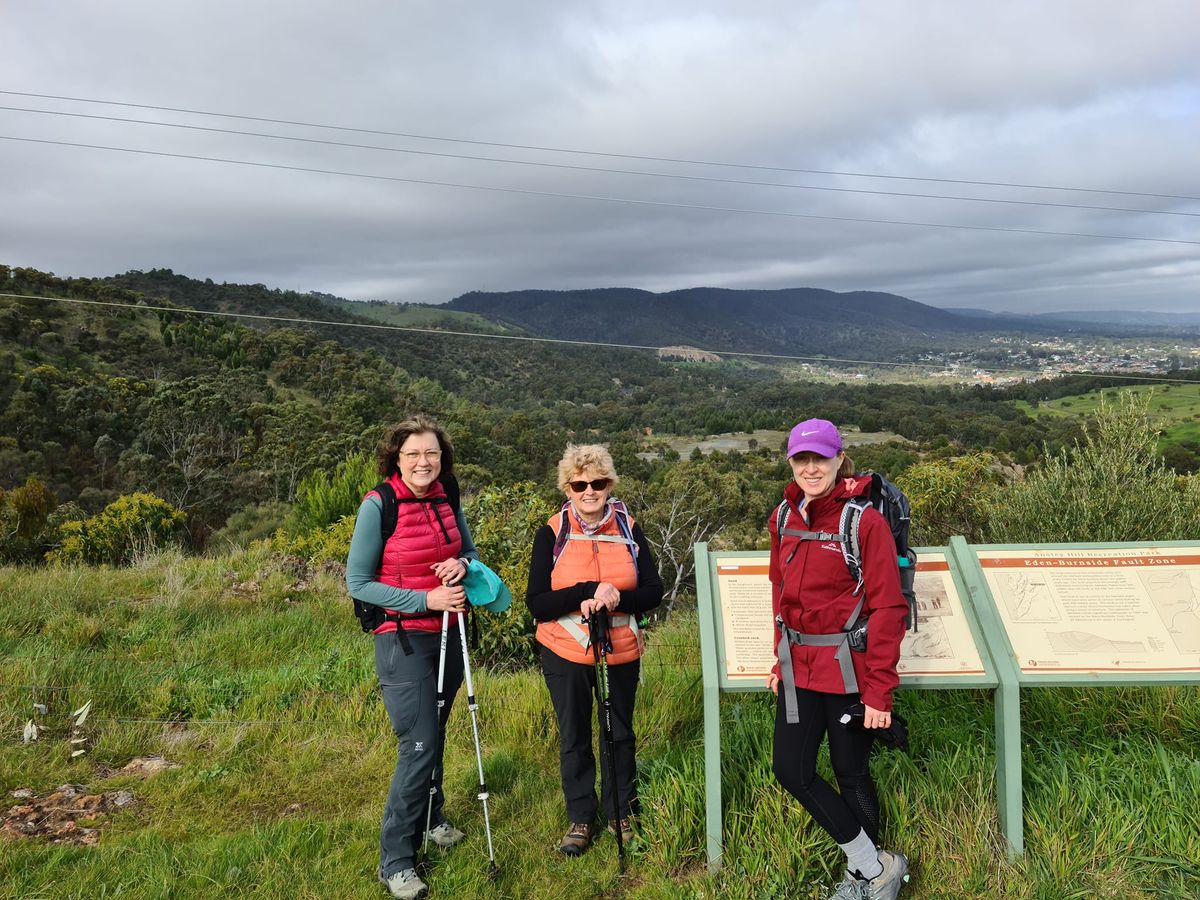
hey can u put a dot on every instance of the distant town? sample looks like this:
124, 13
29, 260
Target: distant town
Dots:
1013, 359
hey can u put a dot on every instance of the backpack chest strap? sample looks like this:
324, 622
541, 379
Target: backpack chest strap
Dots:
815, 535
609, 538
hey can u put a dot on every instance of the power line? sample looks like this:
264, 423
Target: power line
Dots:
296, 320
439, 331
603, 170
598, 198
607, 155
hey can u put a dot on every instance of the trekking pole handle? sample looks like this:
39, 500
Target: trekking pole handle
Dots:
598, 624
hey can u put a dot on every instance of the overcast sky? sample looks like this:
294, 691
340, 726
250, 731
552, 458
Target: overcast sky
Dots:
1096, 94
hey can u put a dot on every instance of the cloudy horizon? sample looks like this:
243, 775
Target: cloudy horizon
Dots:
1103, 97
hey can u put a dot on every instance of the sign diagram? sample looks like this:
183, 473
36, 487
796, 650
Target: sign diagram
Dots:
1095, 610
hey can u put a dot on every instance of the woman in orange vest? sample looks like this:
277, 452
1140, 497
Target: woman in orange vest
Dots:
591, 555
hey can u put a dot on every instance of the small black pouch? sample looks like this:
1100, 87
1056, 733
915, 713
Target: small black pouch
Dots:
894, 737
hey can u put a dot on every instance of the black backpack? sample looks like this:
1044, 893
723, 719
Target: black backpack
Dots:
369, 615
891, 502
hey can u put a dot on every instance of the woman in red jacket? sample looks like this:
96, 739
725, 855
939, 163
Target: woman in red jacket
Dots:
815, 599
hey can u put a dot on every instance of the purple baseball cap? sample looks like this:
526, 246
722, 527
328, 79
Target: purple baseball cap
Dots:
818, 436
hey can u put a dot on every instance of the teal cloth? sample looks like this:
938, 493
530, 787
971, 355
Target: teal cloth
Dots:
484, 588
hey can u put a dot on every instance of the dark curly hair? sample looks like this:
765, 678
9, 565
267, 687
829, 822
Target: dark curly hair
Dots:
394, 438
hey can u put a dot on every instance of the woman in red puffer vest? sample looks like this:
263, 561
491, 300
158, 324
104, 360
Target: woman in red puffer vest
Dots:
413, 576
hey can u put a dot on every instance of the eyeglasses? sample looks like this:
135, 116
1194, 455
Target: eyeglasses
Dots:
414, 455
580, 486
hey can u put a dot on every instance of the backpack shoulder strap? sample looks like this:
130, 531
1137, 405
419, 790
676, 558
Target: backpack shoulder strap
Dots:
782, 513
852, 512
387, 519
561, 535
453, 493
625, 527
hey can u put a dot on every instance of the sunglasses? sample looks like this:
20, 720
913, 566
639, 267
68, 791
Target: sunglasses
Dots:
580, 486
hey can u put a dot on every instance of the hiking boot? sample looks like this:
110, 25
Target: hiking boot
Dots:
445, 835
405, 885
577, 839
851, 888
886, 886
626, 831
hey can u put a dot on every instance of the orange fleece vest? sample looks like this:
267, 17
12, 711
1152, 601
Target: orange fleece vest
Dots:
604, 556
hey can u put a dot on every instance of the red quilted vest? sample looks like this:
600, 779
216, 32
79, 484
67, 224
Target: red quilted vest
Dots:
426, 533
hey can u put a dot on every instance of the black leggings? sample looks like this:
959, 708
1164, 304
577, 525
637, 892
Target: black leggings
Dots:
795, 764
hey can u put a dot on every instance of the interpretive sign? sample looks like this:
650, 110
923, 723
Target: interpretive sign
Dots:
942, 643
1087, 610
991, 616
745, 590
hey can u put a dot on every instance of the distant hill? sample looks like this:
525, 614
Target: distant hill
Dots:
1114, 322
802, 321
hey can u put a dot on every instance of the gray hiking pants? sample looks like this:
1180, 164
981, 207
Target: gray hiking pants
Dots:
409, 686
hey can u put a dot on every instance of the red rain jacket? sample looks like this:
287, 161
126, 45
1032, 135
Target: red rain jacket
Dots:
813, 590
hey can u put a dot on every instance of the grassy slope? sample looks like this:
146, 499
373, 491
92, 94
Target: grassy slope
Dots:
419, 316
279, 688
1177, 405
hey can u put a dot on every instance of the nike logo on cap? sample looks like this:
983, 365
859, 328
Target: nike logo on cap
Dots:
807, 433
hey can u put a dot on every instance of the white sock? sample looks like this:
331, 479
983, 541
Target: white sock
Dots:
862, 856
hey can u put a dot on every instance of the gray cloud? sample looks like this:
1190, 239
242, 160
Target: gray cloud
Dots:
1088, 94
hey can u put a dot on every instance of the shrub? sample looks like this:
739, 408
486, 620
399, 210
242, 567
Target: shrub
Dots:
503, 521
323, 499
254, 523
330, 543
24, 512
131, 524
951, 496
1111, 486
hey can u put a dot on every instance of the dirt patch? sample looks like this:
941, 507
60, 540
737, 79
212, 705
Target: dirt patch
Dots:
57, 816
69, 813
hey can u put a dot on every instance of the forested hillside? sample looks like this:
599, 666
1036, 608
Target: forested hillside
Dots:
101, 397
862, 324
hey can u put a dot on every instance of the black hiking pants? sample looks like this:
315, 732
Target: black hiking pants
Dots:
795, 763
571, 691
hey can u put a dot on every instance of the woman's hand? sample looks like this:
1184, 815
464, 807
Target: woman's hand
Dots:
450, 571
773, 683
876, 718
606, 597
447, 598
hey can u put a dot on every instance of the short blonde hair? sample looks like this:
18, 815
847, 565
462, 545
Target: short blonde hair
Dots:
579, 457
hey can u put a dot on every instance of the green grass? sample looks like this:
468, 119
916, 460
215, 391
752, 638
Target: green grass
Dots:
1171, 401
1176, 406
285, 753
421, 316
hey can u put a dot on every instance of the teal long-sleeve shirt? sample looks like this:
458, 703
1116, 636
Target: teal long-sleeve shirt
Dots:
362, 564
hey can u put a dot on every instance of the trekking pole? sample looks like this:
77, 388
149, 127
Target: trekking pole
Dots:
435, 775
601, 644
493, 870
